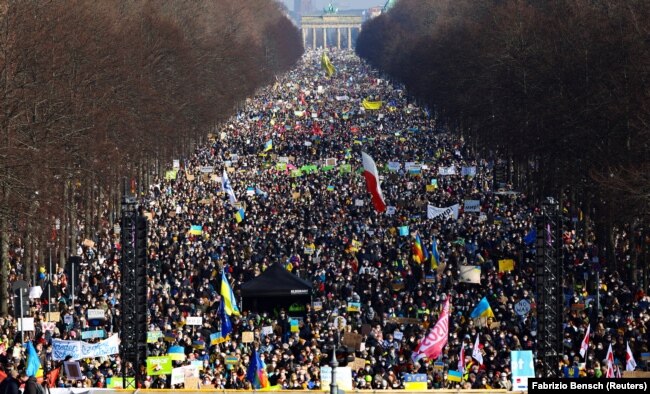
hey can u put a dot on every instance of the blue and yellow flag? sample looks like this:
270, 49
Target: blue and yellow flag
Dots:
229, 302
371, 105
435, 256
33, 363
268, 145
240, 215
327, 65
196, 230
482, 309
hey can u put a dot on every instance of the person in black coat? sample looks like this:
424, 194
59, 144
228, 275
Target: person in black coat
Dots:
31, 385
10, 385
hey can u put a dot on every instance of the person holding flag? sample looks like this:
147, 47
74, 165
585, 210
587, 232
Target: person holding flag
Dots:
435, 256
229, 302
630, 363
419, 255
431, 346
372, 182
256, 373
476, 351
584, 346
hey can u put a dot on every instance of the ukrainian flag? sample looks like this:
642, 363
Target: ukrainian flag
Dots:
268, 145
33, 363
327, 65
482, 309
418, 250
435, 256
240, 215
196, 230
228, 296
371, 105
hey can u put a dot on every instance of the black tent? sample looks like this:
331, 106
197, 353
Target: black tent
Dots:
275, 289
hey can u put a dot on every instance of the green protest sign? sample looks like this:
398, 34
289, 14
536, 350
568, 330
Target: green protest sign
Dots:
161, 365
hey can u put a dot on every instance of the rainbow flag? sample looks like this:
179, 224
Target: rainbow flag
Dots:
435, 256
230, 306
418, 250
256, 373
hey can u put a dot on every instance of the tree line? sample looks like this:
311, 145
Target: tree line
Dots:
559, 88
95, 92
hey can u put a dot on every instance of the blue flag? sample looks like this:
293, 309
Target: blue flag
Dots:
33, 363
529, 239
226, 325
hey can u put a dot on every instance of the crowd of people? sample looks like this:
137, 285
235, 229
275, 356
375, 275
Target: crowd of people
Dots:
320, 225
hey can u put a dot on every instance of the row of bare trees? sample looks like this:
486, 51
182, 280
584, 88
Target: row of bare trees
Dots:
559, 87
95, 92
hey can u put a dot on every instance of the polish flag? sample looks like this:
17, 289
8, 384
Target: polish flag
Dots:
476, 352
610, 362
585, 343
461, 358
630, 364
372, 182
431, 346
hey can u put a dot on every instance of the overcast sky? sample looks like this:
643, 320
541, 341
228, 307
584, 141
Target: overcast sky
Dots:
340, 4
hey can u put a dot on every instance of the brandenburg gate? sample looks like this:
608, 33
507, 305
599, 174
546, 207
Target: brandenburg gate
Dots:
345, 23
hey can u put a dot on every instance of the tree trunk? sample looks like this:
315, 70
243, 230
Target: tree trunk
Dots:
4, 271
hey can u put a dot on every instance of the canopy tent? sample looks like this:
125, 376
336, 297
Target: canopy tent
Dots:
274, 289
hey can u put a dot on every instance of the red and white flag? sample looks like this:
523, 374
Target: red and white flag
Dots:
476, 352
461, 358
431, 346
585, 343
372, 182
610, 362
630, 363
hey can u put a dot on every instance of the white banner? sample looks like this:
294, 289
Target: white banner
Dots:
26, 324
394, 166
471, 171
78, 349
390, 210
470, 274
178, 376
95, 314
194, 321
206, 169
472, 206
447, 170
342, 98
443, 213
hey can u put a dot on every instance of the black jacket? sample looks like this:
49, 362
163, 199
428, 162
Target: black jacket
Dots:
31, 386
9, 386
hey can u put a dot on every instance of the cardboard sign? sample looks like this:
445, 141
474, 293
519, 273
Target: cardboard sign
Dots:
247, 337
192, 382
53, 316
88, 243
404, 320
352, 339
189, 177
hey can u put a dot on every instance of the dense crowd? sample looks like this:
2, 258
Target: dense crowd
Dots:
358, 254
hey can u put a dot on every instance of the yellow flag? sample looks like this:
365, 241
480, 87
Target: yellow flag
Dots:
327, 65
506, 265
371, 105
